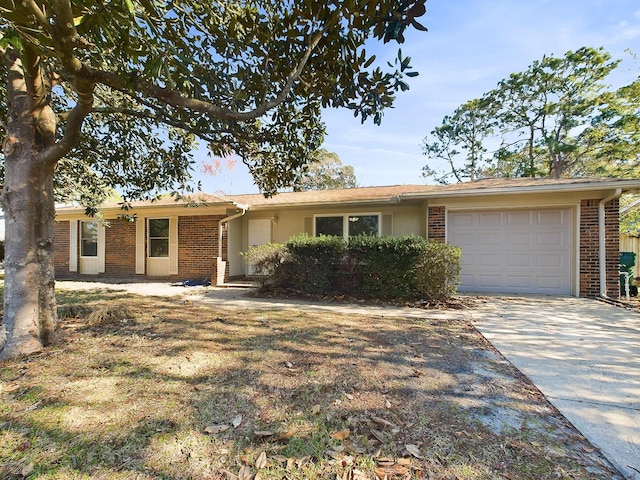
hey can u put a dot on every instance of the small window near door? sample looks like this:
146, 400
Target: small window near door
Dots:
159, 237
89, 239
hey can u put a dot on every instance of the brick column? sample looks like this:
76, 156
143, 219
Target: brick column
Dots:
590, 250
437, 218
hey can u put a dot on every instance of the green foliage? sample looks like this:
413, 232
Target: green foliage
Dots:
555, 119
437, 273
387, 264
372, 267
314, 262
268, 262
326, 172
244, 78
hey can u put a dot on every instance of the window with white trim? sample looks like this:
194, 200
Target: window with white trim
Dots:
89, 239
347, 226
158, 240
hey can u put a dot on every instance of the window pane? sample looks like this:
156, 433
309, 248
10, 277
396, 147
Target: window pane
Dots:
363, 225
159, 247
330, 226
89, 239
159, 227
89, 229
89, 248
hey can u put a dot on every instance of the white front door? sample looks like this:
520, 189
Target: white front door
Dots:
259, 234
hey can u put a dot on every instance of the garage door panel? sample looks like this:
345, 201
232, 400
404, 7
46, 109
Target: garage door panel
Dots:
551, 239
519, 281
551, 217
519, 239
551, 261
462, 220
489, 219
518, 219
489, 260
521, 261
492, 237
520, 251
549, 283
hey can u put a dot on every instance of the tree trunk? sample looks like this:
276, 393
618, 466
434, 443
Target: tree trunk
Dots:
29, 319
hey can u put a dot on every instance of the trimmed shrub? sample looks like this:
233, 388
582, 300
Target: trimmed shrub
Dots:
387, 264
314, 263
437, 273
268, 261
372, 267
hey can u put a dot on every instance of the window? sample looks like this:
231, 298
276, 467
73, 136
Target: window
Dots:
159, 237
353, 225
330, 226
363, 225
89, 239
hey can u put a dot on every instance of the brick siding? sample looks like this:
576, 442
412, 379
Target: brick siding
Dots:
120, 249
197, 246
61, 248
197, 249
437, 219
590, 248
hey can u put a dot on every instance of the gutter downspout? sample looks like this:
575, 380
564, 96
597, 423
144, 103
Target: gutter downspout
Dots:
244, 209
602, 254
220, 263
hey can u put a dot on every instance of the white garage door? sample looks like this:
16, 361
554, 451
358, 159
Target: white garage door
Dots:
520, 251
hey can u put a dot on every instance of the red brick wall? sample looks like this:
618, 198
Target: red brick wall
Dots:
437, 222
61, 248
120, 249
612, 246
197, 246
589, 248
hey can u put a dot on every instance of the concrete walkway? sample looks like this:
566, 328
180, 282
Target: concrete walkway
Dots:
584, 356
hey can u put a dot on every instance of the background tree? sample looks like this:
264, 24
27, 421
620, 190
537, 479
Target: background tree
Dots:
119, 91
459, 142
326, 172
555, 119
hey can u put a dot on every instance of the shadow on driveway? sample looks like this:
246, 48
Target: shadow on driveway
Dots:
584, 355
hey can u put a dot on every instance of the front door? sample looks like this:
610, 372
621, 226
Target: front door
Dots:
259, 234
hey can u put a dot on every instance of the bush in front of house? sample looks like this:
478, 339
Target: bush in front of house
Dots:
371, 267
267, 262
387, 264
436, 275
314, 263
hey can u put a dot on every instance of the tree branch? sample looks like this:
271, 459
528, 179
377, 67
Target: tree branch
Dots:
175, 99
64, 35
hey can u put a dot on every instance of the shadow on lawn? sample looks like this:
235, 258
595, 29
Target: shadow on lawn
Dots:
182, 390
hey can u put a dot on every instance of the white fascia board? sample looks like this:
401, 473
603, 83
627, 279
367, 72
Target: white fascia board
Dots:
625, 185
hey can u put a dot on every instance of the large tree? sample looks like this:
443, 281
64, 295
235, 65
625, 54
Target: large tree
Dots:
557, 118
115, 92
325, 172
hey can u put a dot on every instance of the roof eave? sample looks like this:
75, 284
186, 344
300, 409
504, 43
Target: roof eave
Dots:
625, 185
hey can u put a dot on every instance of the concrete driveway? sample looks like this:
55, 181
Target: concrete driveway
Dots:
584, 356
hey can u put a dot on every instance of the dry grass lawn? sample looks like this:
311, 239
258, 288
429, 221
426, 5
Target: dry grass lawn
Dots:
145, 388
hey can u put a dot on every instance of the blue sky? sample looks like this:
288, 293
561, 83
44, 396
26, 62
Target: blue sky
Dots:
471, 45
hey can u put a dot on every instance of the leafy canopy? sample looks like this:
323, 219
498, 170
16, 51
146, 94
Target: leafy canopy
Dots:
325, 172
134, 84
557, 119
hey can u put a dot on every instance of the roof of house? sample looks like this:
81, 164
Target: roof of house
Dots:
406, 192
394, 193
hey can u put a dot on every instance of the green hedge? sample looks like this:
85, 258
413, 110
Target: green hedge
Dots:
370, 267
